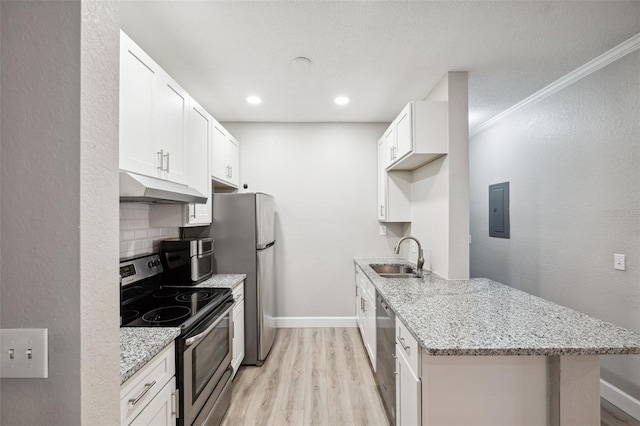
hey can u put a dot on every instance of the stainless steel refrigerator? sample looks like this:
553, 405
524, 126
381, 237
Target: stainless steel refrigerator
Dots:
243, 227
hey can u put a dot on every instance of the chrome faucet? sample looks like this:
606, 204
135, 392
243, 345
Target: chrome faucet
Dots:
420, 262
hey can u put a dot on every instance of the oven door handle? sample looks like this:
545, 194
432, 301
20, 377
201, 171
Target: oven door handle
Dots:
195, 339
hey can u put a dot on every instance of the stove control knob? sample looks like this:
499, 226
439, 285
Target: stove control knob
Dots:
156, 262
150, 264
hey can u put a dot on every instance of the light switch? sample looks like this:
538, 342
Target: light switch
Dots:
383, 230
619, 262
24, 353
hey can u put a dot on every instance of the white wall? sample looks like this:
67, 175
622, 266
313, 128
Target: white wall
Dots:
323, 176
58, 205
573, 163
440, 190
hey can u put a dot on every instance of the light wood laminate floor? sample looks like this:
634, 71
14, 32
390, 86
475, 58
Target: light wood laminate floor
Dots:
321, 376
313, 376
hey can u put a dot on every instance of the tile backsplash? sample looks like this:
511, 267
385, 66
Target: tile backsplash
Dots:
136, 237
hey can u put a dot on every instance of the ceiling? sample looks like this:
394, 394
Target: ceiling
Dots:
380, 54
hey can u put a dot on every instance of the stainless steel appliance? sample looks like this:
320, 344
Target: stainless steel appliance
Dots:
244, 228
187, 259
386, 356
203, 349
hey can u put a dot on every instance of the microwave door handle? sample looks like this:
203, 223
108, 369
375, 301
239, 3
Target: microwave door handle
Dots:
195, 339
205, 254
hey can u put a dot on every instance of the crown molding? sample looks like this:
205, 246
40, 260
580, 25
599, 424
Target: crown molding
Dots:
590, 67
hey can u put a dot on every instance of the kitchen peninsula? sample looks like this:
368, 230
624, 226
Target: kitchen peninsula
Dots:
507, 356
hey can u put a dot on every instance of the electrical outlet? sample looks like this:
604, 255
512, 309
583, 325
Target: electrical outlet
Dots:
383, 230
619, 262
414, 246
24, 353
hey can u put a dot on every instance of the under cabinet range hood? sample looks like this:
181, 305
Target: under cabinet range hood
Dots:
138, 188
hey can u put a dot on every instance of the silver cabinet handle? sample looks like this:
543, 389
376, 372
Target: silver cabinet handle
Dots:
194, 211
391, 154
161, 156
176, 401
147, 388
167, 156
396, 363
406, 348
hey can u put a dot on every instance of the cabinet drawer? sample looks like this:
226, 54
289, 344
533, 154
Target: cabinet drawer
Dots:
238, 292
409, 347
365, 285
146, 384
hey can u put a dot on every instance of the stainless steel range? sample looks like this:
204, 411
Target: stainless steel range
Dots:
203, 349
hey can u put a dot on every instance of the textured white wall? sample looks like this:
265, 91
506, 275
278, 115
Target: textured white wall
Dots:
573, 163
440, 189
99, 209
323, 177
59, 206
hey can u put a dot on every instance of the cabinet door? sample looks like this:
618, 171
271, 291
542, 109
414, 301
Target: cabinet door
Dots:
161, 410
404, 132
382, 181
218, 145
408, 393
138, 73
171, 128
370, 329
233, 161
199, 136
390, 146
238, 336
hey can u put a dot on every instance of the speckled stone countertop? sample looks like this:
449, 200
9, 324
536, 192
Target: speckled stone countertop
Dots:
139, 344
483, 317
223, 280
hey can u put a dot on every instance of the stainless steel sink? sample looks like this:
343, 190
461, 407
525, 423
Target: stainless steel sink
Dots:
394, 271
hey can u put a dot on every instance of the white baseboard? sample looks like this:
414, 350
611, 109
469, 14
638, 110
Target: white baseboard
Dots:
315, 322
620, 399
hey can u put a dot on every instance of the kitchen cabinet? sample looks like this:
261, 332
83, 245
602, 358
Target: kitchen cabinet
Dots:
149, 397
199, 144
199, 137
408, 382
153, 117
418, 135
366, 314
394, 189
238, 328
225, 159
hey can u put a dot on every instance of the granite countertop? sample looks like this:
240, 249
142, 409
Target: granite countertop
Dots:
483, 317
223, 280
139, 344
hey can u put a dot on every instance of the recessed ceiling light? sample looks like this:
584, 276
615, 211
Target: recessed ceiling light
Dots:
341, 100
254, 100
302, 62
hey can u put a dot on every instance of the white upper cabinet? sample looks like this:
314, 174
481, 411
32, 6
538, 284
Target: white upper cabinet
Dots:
394, 189
225, 158
138, 75
233, 160
153, 117
199, 137
172, 104
418, 135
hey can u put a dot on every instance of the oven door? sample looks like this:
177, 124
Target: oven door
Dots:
206, 356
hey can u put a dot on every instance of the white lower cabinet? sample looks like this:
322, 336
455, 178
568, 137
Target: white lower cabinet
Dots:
238, 328
408, 382
161, 411
366, 314
149, 397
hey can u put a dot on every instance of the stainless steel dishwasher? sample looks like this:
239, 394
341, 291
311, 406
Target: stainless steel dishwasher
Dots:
386, 356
